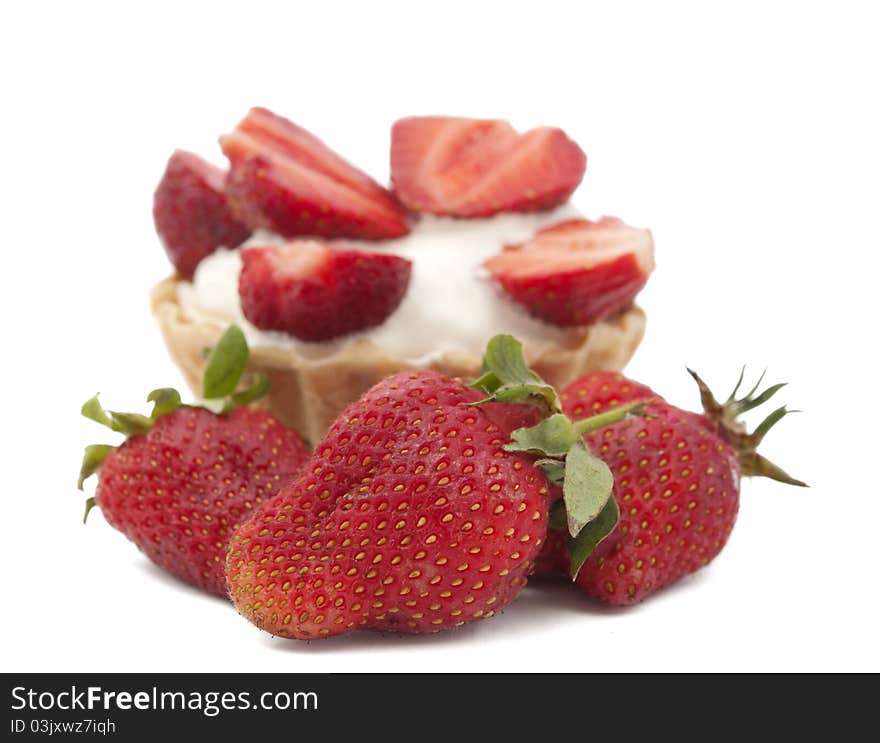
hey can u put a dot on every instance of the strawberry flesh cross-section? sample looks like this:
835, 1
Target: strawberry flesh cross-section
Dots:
576, 272
464, 167
316, 292
284, 179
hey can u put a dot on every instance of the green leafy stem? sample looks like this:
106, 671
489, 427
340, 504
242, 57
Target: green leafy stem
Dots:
225, 366
587, 511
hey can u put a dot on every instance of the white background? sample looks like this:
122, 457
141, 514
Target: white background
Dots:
746, 139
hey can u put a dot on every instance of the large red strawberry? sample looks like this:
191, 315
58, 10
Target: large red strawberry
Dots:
676, 483
285, 179
190, 212
186, 476
478, 167
577, 272
414, 515
316, 292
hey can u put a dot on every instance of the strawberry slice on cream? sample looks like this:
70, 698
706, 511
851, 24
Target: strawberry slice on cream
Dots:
316, 292
463, 167
576, 272
283, 178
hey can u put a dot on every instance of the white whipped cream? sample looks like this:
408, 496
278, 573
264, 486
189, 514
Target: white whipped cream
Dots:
451, 304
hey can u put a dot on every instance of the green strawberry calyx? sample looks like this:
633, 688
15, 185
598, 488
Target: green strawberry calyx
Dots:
224, 368
724, 418
586, 510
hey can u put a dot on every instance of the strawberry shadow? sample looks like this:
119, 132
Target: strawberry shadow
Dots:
541, 603
367, 640
154, 573
544, 601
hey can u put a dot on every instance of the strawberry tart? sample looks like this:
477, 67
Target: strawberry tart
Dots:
338, 281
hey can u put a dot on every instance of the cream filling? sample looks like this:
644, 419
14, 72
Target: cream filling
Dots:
451, 304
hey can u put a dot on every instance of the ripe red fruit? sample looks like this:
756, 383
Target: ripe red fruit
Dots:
478, 167
179, 490
285, 179
577, 272
601, 391
316, 292
411, 518
190, 212
592, 394
421, 509
186, 476
676, 483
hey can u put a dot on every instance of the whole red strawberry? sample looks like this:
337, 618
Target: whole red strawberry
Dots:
576, 272
676, 484
190, 212
411, 518
316, 292
417, 513
186, 476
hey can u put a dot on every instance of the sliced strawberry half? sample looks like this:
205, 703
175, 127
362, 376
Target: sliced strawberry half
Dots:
316, 292
478, 167
576, 272
285, 179
190, 212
